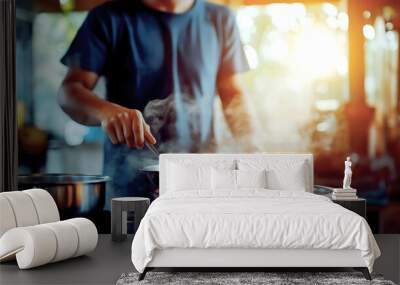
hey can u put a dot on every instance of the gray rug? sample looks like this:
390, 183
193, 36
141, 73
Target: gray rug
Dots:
268, 278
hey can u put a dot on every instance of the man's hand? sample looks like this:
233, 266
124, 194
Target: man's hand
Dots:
126, 126
122, 125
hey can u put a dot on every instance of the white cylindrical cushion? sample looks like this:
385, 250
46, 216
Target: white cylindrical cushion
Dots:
87, 235
41, 244
23, 208
38, 244
45, 206
67, 240
7, 218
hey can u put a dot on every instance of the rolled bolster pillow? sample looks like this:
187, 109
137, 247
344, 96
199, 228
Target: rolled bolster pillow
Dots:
23, 208
40, 244
87, 235
45, 206
33, 246
26, 208
7, 218
67, 240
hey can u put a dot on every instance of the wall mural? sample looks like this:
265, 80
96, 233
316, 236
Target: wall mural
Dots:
296, 92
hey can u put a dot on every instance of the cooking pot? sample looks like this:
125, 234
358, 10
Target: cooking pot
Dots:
76, 195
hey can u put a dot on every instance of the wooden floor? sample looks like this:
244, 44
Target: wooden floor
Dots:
110, 260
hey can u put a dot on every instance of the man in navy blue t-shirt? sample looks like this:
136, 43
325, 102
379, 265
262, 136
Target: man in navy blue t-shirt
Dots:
163, 62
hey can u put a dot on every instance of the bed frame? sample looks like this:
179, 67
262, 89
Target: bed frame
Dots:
246, 258
249, 259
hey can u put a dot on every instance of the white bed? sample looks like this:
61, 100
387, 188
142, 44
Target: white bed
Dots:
199, 225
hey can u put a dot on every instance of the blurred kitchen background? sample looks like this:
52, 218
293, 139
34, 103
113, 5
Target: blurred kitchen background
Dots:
324, 79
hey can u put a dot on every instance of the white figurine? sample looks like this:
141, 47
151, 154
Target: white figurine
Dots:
347, 174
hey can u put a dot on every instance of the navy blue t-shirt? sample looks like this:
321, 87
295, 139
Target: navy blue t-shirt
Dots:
163, 64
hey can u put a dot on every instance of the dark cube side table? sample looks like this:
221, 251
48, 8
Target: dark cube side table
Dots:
121, 209
358, 205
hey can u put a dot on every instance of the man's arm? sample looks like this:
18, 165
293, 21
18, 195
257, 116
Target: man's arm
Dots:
122, 125
236, 110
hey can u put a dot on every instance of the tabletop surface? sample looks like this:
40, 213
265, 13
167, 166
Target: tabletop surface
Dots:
358, 199
130, 199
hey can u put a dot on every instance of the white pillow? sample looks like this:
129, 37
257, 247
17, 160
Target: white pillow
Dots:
182, 177
191, 174
291, 179
281, 174
223, 179
226, 179
251, 178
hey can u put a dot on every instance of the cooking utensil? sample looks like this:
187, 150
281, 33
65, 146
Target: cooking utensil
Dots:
75, 195
152, 148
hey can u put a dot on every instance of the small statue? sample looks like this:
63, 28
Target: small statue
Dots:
347, 174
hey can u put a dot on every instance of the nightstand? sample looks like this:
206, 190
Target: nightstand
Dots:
121, 209
358, 206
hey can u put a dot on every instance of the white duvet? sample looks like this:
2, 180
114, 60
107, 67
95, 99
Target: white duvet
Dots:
252, 218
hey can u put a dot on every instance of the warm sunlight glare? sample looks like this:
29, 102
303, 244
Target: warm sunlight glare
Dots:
317, 52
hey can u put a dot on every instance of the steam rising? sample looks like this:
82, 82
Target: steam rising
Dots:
181, 123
